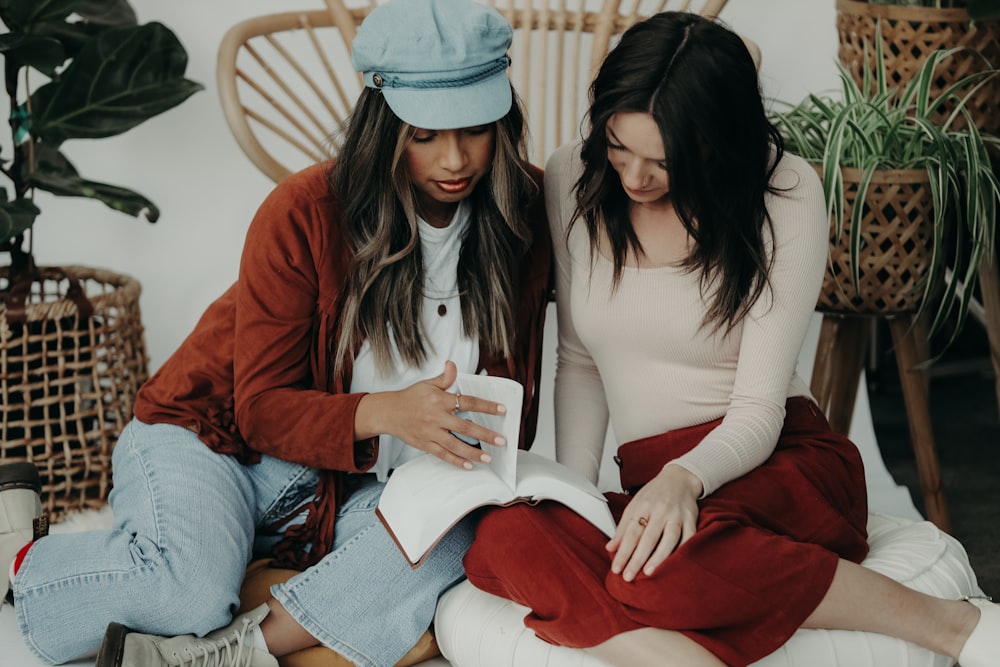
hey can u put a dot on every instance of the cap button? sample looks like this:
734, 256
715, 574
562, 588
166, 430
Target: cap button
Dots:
377, 80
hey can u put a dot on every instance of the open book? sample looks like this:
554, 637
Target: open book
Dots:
425, 496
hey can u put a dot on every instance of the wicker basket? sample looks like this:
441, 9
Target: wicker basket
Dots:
909, 34
68, 379
896, 239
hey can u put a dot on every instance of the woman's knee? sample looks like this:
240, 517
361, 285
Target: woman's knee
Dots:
189, 596
507, 540
498, 526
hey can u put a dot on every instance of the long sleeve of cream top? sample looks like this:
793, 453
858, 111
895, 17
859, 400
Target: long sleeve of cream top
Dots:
639, 355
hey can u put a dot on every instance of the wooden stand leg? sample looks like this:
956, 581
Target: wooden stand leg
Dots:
915, 397
840, 358
989, 285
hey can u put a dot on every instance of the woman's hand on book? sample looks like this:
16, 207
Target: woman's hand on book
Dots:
424, 415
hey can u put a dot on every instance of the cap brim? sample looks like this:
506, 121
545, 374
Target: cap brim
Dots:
474, 104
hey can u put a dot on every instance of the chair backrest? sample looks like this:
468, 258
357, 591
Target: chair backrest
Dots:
286, 82
286, 86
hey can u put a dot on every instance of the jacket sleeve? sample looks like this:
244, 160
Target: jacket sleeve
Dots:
285, 315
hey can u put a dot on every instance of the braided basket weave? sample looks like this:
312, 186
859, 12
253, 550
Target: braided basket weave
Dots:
68, 381
895, 254
909, 34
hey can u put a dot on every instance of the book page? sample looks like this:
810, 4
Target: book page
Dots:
425, 497
510, 393
541, 478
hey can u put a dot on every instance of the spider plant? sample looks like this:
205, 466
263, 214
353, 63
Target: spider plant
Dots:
872, 127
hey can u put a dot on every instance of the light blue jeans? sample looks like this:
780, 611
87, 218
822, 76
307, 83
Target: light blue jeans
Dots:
186, 526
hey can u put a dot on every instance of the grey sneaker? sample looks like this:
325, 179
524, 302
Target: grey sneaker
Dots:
225, 647
21, 519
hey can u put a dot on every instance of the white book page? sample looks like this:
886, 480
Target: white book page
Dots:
425, 497
539, 477
510, 393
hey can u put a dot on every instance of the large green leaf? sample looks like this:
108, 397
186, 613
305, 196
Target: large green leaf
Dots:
43, 53
53, 173
22, 15
48, 18
118, 80
72, 36
16, 217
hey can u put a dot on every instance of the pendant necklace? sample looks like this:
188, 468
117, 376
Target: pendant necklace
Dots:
440, 246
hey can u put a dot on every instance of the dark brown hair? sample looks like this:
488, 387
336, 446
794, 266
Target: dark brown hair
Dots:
699, 83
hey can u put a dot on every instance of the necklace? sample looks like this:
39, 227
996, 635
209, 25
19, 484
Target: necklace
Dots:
440, 247
441, 293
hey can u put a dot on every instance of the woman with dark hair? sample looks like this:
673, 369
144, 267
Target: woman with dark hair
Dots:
365, 285
690, 250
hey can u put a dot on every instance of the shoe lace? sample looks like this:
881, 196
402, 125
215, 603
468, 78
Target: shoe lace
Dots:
231, 651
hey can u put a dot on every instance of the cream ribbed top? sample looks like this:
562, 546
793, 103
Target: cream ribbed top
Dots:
640, 356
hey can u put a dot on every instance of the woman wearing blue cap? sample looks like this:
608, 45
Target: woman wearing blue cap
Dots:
364, 286
689, 252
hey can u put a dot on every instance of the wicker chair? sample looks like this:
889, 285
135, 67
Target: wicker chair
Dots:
286, 82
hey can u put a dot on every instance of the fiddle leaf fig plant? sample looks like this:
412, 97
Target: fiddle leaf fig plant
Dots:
78, 69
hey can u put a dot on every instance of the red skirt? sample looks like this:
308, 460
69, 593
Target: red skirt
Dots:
762, 559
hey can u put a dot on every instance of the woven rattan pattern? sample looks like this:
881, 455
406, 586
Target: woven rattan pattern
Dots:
896, 238
909, 34
67, 384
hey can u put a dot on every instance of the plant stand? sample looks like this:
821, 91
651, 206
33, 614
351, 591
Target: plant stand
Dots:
840, 355
909, 35
893, 257
989, 287
72, 357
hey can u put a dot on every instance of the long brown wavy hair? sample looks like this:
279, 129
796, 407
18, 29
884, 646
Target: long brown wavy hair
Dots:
382, 297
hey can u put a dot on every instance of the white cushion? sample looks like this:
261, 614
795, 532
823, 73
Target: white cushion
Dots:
476, 629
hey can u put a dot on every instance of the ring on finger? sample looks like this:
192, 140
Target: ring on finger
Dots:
458, 405
643, 521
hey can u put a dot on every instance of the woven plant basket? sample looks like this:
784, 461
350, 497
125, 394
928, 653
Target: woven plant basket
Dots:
896, 239
71, 360
909, 34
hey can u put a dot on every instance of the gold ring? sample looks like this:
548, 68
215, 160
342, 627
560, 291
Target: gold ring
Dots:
458, 406
643, 521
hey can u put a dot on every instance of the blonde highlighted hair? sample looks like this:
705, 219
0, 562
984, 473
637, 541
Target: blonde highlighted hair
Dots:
382, 298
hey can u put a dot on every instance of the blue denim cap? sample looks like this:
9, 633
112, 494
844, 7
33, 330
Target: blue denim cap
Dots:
440, 64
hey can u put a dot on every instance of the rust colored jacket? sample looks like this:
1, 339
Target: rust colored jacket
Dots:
256, 374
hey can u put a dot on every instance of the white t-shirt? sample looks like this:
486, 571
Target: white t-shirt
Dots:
442, 329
